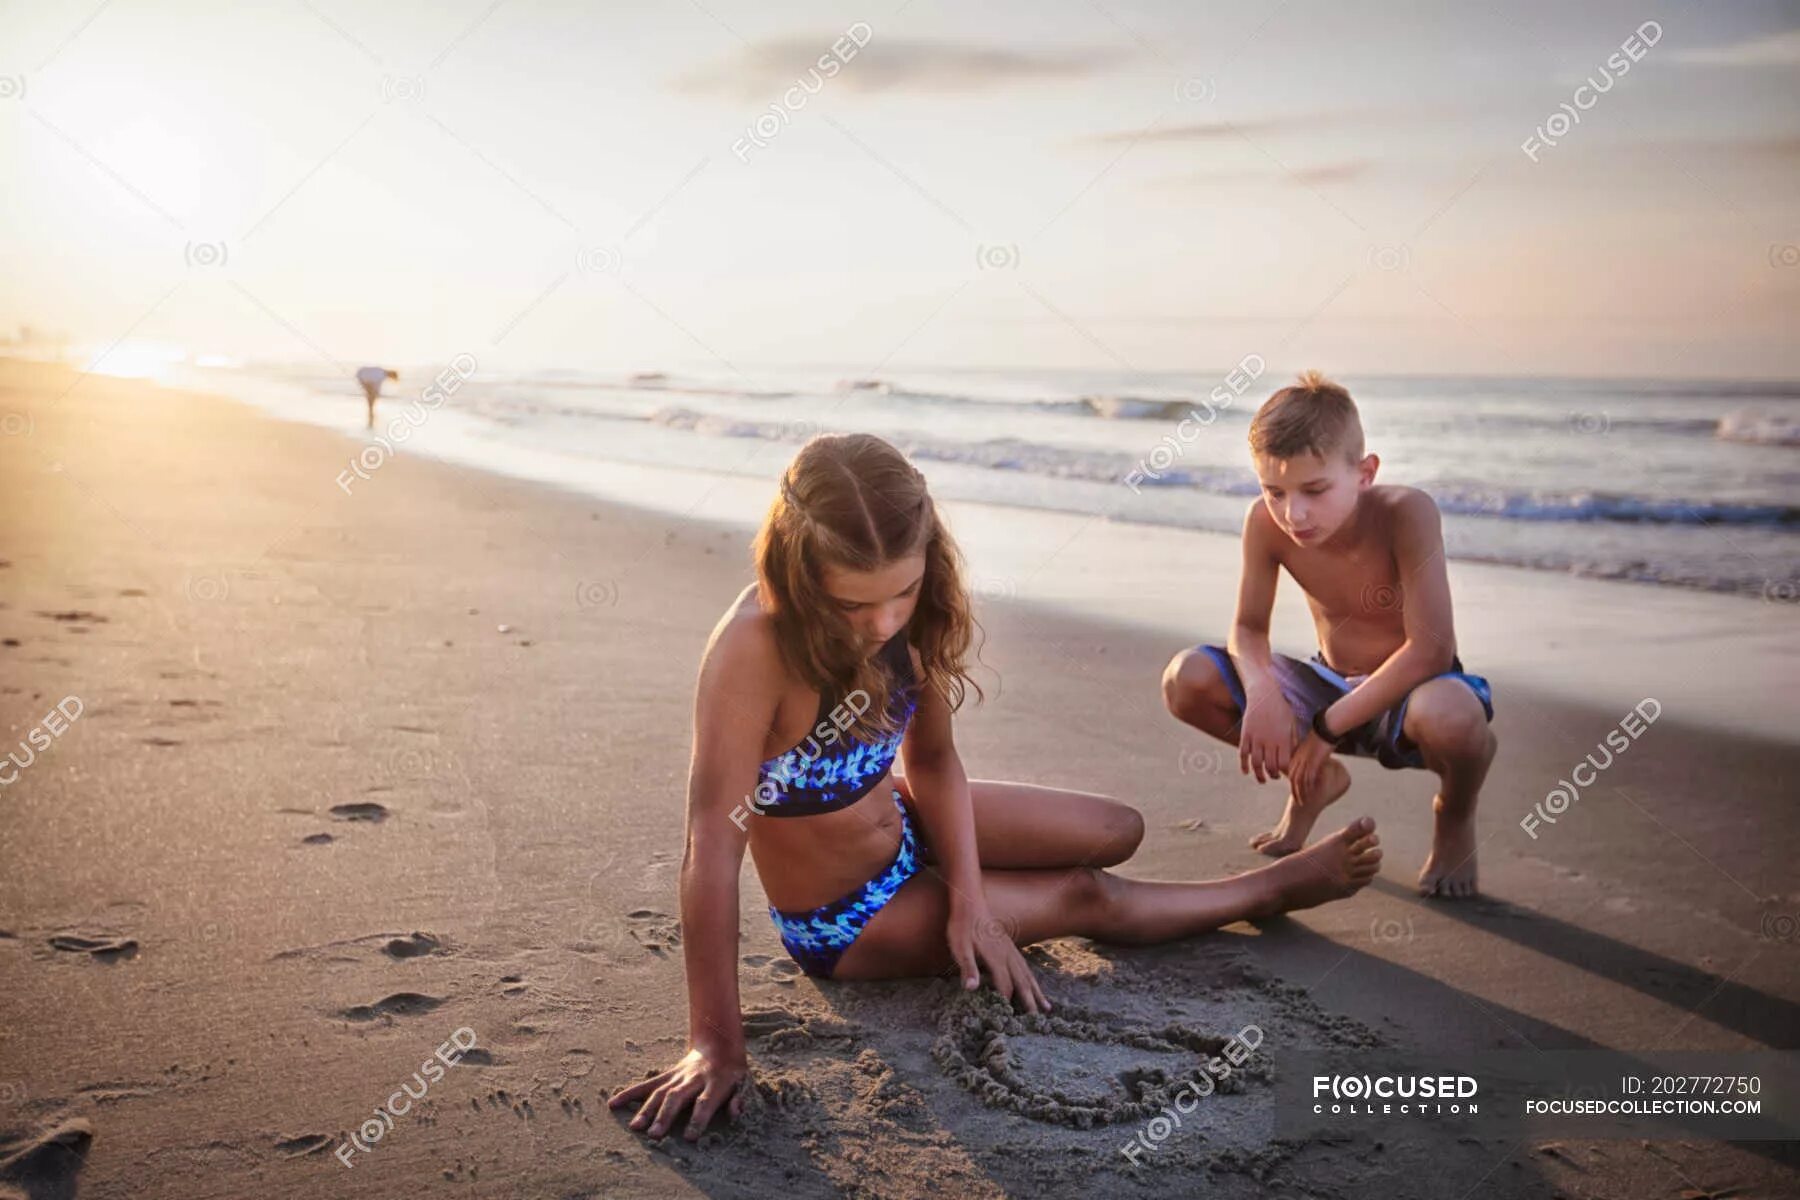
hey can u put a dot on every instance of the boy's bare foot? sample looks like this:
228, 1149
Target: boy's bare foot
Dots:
1297, 821
1449, 870
1335, 867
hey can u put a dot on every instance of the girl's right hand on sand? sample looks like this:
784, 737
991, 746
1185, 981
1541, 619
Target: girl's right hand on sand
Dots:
704, 1080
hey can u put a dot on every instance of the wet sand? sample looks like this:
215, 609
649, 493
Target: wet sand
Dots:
350, 773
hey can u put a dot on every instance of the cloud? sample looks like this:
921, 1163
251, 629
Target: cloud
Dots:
1313, 176
1379, 120
1201, 131
1771, 50
890, 65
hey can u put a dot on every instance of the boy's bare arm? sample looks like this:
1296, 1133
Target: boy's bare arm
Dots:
1249, 638
1266, 734
1430, 643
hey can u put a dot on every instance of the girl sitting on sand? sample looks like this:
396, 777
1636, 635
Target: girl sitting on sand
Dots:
852, 647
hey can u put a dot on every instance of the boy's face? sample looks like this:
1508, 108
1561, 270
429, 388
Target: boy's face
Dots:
1312, 497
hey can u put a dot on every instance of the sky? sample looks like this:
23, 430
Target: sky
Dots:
1059, 184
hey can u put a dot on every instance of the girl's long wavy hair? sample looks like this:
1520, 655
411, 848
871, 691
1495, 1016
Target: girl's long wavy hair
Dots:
852, 501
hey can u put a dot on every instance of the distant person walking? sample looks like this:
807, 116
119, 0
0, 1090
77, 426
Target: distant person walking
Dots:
371, 379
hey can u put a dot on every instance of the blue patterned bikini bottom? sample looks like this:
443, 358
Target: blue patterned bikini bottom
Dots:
818, 938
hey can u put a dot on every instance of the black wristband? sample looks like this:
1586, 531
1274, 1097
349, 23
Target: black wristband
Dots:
1323, 733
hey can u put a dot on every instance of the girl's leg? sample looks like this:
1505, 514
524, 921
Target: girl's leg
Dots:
906, 938
1019, 825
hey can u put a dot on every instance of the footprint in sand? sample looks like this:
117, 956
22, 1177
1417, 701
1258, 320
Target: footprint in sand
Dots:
414, 945
501, 1098
780, 971
306, 1143
780, 1028
655, 931
100, 946
73, 616
764, 1021
362, 811
45, 1163
400, 1004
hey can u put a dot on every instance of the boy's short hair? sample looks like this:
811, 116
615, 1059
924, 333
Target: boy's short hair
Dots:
1313, 414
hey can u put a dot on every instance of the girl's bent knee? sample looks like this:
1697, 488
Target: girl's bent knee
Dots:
1122, 831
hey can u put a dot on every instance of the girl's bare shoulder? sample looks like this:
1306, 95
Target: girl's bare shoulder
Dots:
742, 647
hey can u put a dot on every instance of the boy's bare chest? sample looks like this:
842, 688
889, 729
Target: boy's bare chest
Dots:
1363, 583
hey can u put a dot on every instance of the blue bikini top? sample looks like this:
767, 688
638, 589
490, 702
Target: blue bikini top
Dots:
829, 770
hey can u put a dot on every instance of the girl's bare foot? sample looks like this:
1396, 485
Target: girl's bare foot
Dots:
1297, 821
1333, 868
1449, 870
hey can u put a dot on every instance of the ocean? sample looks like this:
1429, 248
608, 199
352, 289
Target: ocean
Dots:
1686, 484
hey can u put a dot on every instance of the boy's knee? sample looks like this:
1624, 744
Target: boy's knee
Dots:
1191, 684
1444, 717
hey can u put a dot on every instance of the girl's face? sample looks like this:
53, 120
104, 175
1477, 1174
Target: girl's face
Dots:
877, 603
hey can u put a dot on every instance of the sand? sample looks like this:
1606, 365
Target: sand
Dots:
350, 774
